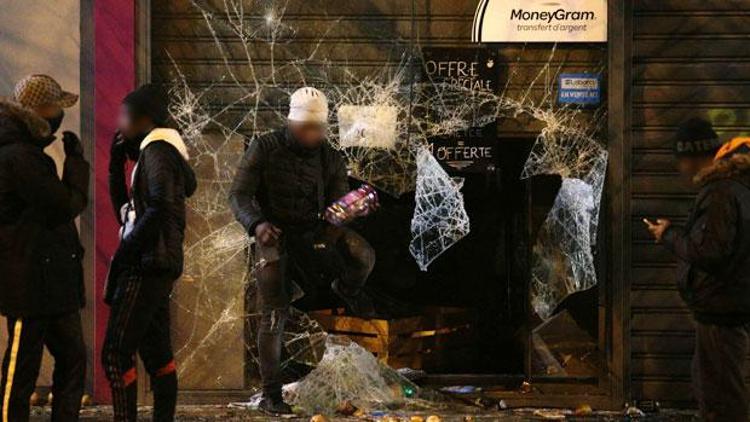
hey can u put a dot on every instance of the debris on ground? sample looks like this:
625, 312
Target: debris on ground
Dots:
349, 380
648, 406
346, 408
461, 389
550, 414
412, 374
490, 403
525, 387
634, 412
583, 410
349, 373
223, 413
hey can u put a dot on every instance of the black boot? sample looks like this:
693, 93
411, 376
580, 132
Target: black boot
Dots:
165, 397
358, 303
273, 404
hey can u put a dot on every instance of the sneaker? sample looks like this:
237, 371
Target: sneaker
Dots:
274, 406
359, 304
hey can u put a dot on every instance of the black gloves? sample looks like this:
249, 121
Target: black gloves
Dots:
72, 144
117, 152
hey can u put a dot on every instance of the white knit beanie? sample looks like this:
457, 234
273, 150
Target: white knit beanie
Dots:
308, 105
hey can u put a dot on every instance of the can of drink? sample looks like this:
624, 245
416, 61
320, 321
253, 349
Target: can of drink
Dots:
356, 203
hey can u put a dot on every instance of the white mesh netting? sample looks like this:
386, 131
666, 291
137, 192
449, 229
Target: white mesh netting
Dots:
349, 373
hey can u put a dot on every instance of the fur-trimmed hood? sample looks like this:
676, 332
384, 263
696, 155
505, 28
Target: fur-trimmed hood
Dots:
736, 166
20, 124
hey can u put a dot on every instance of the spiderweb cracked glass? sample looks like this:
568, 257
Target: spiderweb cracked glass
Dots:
384, 119
440, 219
570, 153
563, 260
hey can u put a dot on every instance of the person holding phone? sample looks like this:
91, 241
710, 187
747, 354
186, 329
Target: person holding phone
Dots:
713, 252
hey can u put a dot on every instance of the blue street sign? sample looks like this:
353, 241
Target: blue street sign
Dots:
579, 88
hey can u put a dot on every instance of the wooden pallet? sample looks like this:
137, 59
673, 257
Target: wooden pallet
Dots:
430, 341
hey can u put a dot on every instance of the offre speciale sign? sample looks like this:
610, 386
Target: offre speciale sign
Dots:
540, 21
461, 72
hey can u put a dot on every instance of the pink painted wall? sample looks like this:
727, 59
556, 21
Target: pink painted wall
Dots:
114, 51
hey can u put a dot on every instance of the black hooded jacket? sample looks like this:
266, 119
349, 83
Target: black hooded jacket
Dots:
162, 183
40, 252
281, 182
713, 248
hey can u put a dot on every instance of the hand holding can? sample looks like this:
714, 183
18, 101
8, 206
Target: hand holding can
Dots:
357, 203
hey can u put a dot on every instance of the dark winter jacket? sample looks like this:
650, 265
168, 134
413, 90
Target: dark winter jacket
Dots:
281, 182
714, 246
152, 238
40, 252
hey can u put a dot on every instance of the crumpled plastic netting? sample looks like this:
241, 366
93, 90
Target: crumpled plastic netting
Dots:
349, 373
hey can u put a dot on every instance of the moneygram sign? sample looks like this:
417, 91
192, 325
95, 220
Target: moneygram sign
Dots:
540, 21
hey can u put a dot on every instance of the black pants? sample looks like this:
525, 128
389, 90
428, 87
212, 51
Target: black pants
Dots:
330, 249
718, 372
139, 323
63, 336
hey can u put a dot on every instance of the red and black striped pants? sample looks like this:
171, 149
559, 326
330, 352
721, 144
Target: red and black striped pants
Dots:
139, 323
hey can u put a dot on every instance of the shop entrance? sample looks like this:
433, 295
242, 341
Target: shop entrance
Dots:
486, 277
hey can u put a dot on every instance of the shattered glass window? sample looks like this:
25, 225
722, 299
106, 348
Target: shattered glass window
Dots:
382, 118
440, 219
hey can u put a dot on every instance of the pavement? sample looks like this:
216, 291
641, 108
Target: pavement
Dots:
226, 414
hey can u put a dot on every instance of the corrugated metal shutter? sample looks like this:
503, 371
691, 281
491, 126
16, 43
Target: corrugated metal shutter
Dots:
691, 58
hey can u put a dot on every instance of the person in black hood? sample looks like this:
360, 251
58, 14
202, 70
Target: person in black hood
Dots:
150, 256
713, 252
41, 288
283, 184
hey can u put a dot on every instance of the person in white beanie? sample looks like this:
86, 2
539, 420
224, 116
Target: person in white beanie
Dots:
308, 105
284, 183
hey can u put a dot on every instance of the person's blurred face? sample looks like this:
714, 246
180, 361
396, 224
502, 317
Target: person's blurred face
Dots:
689, 167
132, 127
48, 111
52, 113
309, 135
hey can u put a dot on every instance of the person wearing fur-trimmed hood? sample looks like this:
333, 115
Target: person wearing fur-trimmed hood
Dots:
41, 287
713, 253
